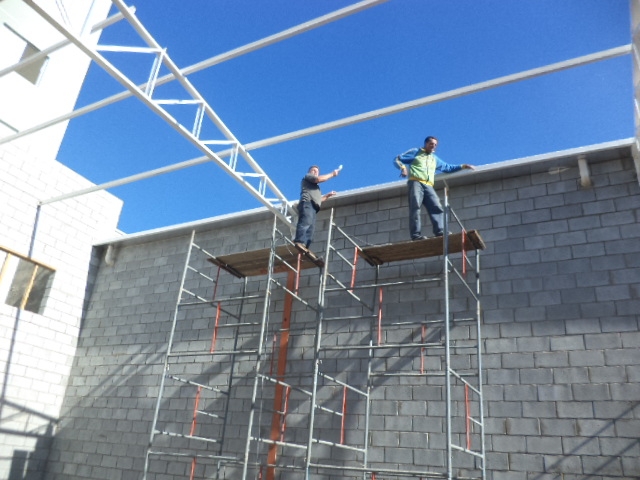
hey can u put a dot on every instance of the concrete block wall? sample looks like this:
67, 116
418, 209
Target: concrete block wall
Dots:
37, 350
560, 304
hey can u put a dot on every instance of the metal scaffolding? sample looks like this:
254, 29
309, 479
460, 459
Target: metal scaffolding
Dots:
246, 403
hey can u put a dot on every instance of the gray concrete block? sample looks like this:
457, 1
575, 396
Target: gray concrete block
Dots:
542, 445
551, 359
536, 376
509, 443
572, 375
589, 358
555, 392
526, 463
607, 466
562, 464
574, 409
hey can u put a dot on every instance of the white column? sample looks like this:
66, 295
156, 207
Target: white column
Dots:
635, 44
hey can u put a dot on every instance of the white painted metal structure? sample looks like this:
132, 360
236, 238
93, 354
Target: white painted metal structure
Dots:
238, 154
39, 79
275, 201
635, 47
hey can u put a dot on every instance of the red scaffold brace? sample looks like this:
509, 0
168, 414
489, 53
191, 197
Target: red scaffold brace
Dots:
354, 268
195, 412
214, 337
193, 468
464, 253
344, 414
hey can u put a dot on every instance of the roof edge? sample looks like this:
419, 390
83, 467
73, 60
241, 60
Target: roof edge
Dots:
525, 165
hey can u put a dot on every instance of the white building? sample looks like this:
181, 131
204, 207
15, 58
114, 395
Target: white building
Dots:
46, 262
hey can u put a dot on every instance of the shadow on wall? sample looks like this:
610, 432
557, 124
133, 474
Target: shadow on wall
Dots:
25, 464
31, 464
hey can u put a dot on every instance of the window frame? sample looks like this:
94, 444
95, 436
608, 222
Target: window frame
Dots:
26, 290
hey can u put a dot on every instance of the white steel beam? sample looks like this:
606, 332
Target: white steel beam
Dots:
251, 47
606, 54
439, 97
129, 179
281, 209
186, 84
278, 37
635, 39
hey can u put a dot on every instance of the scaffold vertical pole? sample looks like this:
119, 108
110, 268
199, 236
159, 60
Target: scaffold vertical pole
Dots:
316, 348
165, 367
479, 365
447, 314
260, 351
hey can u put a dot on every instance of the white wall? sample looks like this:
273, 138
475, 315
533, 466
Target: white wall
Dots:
24, 104
36, 350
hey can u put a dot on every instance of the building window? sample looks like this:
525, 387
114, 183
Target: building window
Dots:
24, 283
15, 48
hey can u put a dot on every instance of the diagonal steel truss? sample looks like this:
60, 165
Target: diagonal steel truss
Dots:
265, 190
277, 202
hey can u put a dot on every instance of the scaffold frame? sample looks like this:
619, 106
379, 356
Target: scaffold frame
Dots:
260, 456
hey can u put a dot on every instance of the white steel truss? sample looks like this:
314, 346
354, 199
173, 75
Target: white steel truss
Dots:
265, 191
244, 149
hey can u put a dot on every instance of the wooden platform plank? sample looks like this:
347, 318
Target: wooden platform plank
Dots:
430, 247
256, 262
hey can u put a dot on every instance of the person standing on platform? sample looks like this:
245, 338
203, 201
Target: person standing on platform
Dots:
420, 166
311, 199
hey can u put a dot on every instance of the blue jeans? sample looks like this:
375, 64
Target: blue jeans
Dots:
306, 223
421, 194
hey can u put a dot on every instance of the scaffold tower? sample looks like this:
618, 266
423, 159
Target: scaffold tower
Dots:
244, 395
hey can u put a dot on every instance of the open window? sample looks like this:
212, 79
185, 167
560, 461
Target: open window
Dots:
24, 283
16, 48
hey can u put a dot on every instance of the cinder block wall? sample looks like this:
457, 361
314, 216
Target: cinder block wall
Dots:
560, 283
37, 350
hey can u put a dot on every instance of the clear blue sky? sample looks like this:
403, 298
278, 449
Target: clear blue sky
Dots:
396, 52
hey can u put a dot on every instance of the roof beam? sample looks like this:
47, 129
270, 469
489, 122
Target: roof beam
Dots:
439, 97
251, 47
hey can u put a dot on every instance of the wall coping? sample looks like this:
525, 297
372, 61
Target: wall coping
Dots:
548, 162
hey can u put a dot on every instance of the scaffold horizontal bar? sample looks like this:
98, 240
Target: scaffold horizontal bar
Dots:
349, 290
232, 299
209, 414
212, 354
384, 471
189, 437
349, 317
196, 384
457, 375
415, 374
383, 347
465, 450
339, 445
198, 272
346, 385
191, 455
284, 384
389, 284
294, 295
277, 442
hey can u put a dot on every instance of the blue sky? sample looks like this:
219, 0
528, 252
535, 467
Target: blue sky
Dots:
395, 52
